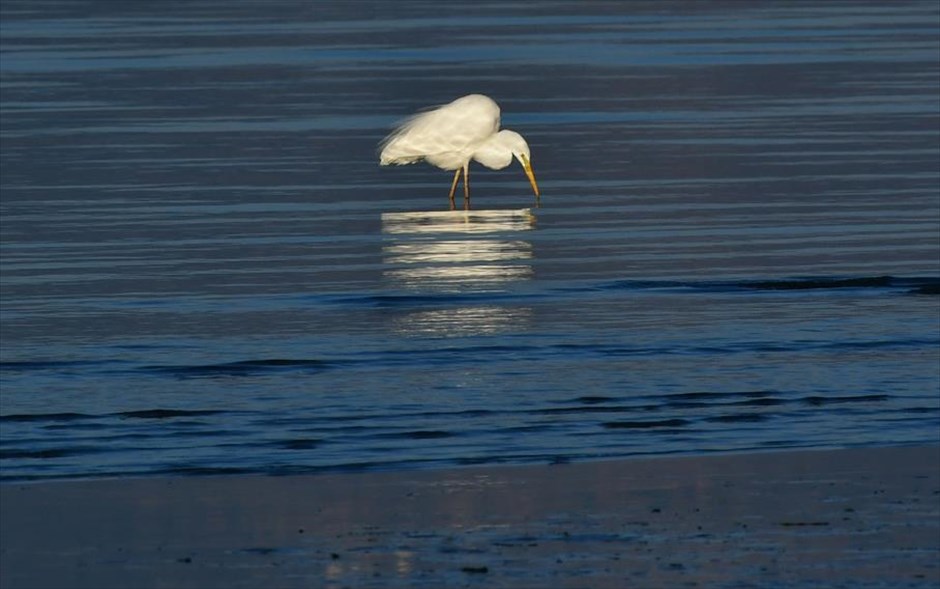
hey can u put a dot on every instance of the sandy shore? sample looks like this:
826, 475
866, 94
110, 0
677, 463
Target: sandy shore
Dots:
844, 518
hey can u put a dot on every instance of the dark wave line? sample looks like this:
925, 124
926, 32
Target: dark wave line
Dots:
593, 399
918, 285
165, 413
33, 365
646, 424
139, 414
23, 417
762, 402
693, 400
738, 418
582, 405
915, 284
48, 453
295, 421
823, 283
820, 400
596, 409
418, 435
239, 368
298, 444
709, 395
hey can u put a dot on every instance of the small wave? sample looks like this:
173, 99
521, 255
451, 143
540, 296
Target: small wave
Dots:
822, 400
22, 417
298, 444
47, 365
646, 424
738, 418
820, 283
593, 399
419, 435
928, 285
139, 414
700, 399
763, 402
932, 288
47, 453
711, 396
240, 368
580, 409
164, 413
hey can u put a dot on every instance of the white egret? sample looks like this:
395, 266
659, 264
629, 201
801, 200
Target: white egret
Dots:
450, 136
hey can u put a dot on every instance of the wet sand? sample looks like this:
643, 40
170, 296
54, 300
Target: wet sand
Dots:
842, 518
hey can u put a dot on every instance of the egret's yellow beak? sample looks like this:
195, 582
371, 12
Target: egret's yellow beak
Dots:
529, 173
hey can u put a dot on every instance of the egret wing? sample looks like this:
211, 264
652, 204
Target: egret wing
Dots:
445, 136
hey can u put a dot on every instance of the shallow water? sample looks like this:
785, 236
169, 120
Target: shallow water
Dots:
204, 269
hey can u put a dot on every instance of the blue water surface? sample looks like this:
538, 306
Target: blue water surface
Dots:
204, 269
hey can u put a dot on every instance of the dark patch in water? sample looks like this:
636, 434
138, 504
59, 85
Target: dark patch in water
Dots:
591, 400
241, 368
30, 365
705, 399
927, 289
164, 413
921, 410
299, 444
818, 283
760, 402
646, 424
261, 550
419, 435
481, 570
915, 285
640, 285
45, 417
41, 454
738, 418
819, 400
710, 396
593, 409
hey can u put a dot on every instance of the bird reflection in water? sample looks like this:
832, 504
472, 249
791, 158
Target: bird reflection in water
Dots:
459, 252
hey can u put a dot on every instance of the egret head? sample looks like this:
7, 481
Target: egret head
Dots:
520, 150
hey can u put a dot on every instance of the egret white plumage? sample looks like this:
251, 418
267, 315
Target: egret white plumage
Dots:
450, 136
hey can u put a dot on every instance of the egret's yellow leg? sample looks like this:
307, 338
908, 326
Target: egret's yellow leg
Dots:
453, 188
466, 186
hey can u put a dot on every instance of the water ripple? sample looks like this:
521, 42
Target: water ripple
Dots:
205, 271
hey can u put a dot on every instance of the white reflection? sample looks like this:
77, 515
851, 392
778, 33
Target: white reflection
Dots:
437, 222
458, 252
451, 251
482, 320
454, 266
477, 250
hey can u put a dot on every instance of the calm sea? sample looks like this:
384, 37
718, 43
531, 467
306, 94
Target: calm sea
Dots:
204, 269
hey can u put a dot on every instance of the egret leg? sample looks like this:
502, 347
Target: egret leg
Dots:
466, 186
453, 188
